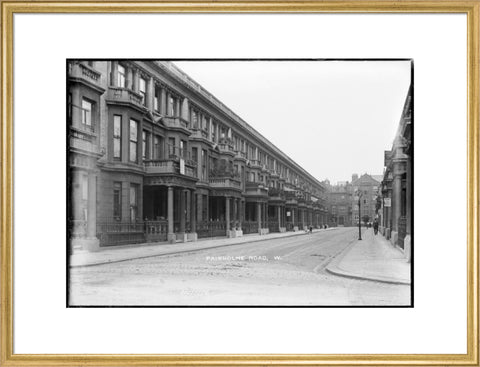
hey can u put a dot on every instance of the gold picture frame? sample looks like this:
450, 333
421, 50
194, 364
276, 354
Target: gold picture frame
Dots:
472, 11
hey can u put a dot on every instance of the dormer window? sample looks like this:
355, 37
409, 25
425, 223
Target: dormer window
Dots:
121, 73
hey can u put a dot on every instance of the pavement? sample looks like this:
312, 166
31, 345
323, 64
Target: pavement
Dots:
108, 255
372, 258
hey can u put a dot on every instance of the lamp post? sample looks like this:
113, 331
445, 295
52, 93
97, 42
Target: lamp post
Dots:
360, 194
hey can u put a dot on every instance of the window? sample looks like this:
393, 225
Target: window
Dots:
145, 145
204, 165
117, 137
142, 89
86, 112
121, 76
157, 147
194, 119
133, 202
117, 200
133, 140
183, 146
213, 131
173, 106
69, 107
156, 99
171, 147
195, 159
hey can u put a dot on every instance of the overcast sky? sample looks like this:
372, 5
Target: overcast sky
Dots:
333, 118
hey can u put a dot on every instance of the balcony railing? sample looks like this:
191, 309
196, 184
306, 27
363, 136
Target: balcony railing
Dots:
199, 133
125, 95
80, 71
224, 182
241, 154
169, 166
175, 122
83, 140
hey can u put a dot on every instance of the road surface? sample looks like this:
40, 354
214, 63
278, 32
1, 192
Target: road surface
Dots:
281, 272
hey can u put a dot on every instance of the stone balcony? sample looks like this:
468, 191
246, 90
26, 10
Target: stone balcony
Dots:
125, 96
199, 134
170, 166
224, 183
256, 189
85, 74
176, 123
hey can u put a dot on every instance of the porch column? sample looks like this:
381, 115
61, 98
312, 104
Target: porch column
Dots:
241, 214
259, 216
199, 207
293, 216
193, 212
182, 210
171, 235
235, 210
397, 200
92, 206
227, 215
279, 215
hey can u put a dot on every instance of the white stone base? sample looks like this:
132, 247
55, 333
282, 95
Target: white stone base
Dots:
192, 236
234, 233
387, 233
407, 247
394, 238
91, 244
295, 228
172, 238
263, 231
283, 229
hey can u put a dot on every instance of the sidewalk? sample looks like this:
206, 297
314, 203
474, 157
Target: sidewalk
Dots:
373, 258
139, 251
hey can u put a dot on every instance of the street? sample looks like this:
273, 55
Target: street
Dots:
281, 272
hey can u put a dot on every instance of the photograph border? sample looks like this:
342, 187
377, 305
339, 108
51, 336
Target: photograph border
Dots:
470, 8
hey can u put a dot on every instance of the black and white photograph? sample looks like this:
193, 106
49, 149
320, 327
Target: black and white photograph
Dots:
240, 182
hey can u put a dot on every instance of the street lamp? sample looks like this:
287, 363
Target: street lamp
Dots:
360, 194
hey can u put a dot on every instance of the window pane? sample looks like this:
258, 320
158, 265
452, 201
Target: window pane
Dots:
133, 151
86, 112
121, 76
117, 136
133, 130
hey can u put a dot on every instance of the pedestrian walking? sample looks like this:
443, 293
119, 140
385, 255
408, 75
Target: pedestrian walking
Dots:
375, 226
311, 229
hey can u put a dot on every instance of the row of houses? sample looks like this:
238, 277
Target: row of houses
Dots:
153, 156
397, 184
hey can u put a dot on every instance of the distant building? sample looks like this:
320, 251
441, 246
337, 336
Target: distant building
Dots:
340, 204
365, 188
397, 184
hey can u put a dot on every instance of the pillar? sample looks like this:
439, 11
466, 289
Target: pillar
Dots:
235, 210
185, 110
182, 210
259, 215
279, 215
150, 93
199, 207
241, 214
171, 235
163, 101
209, 125
92, 206
227, 215
397, 198
193, 212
